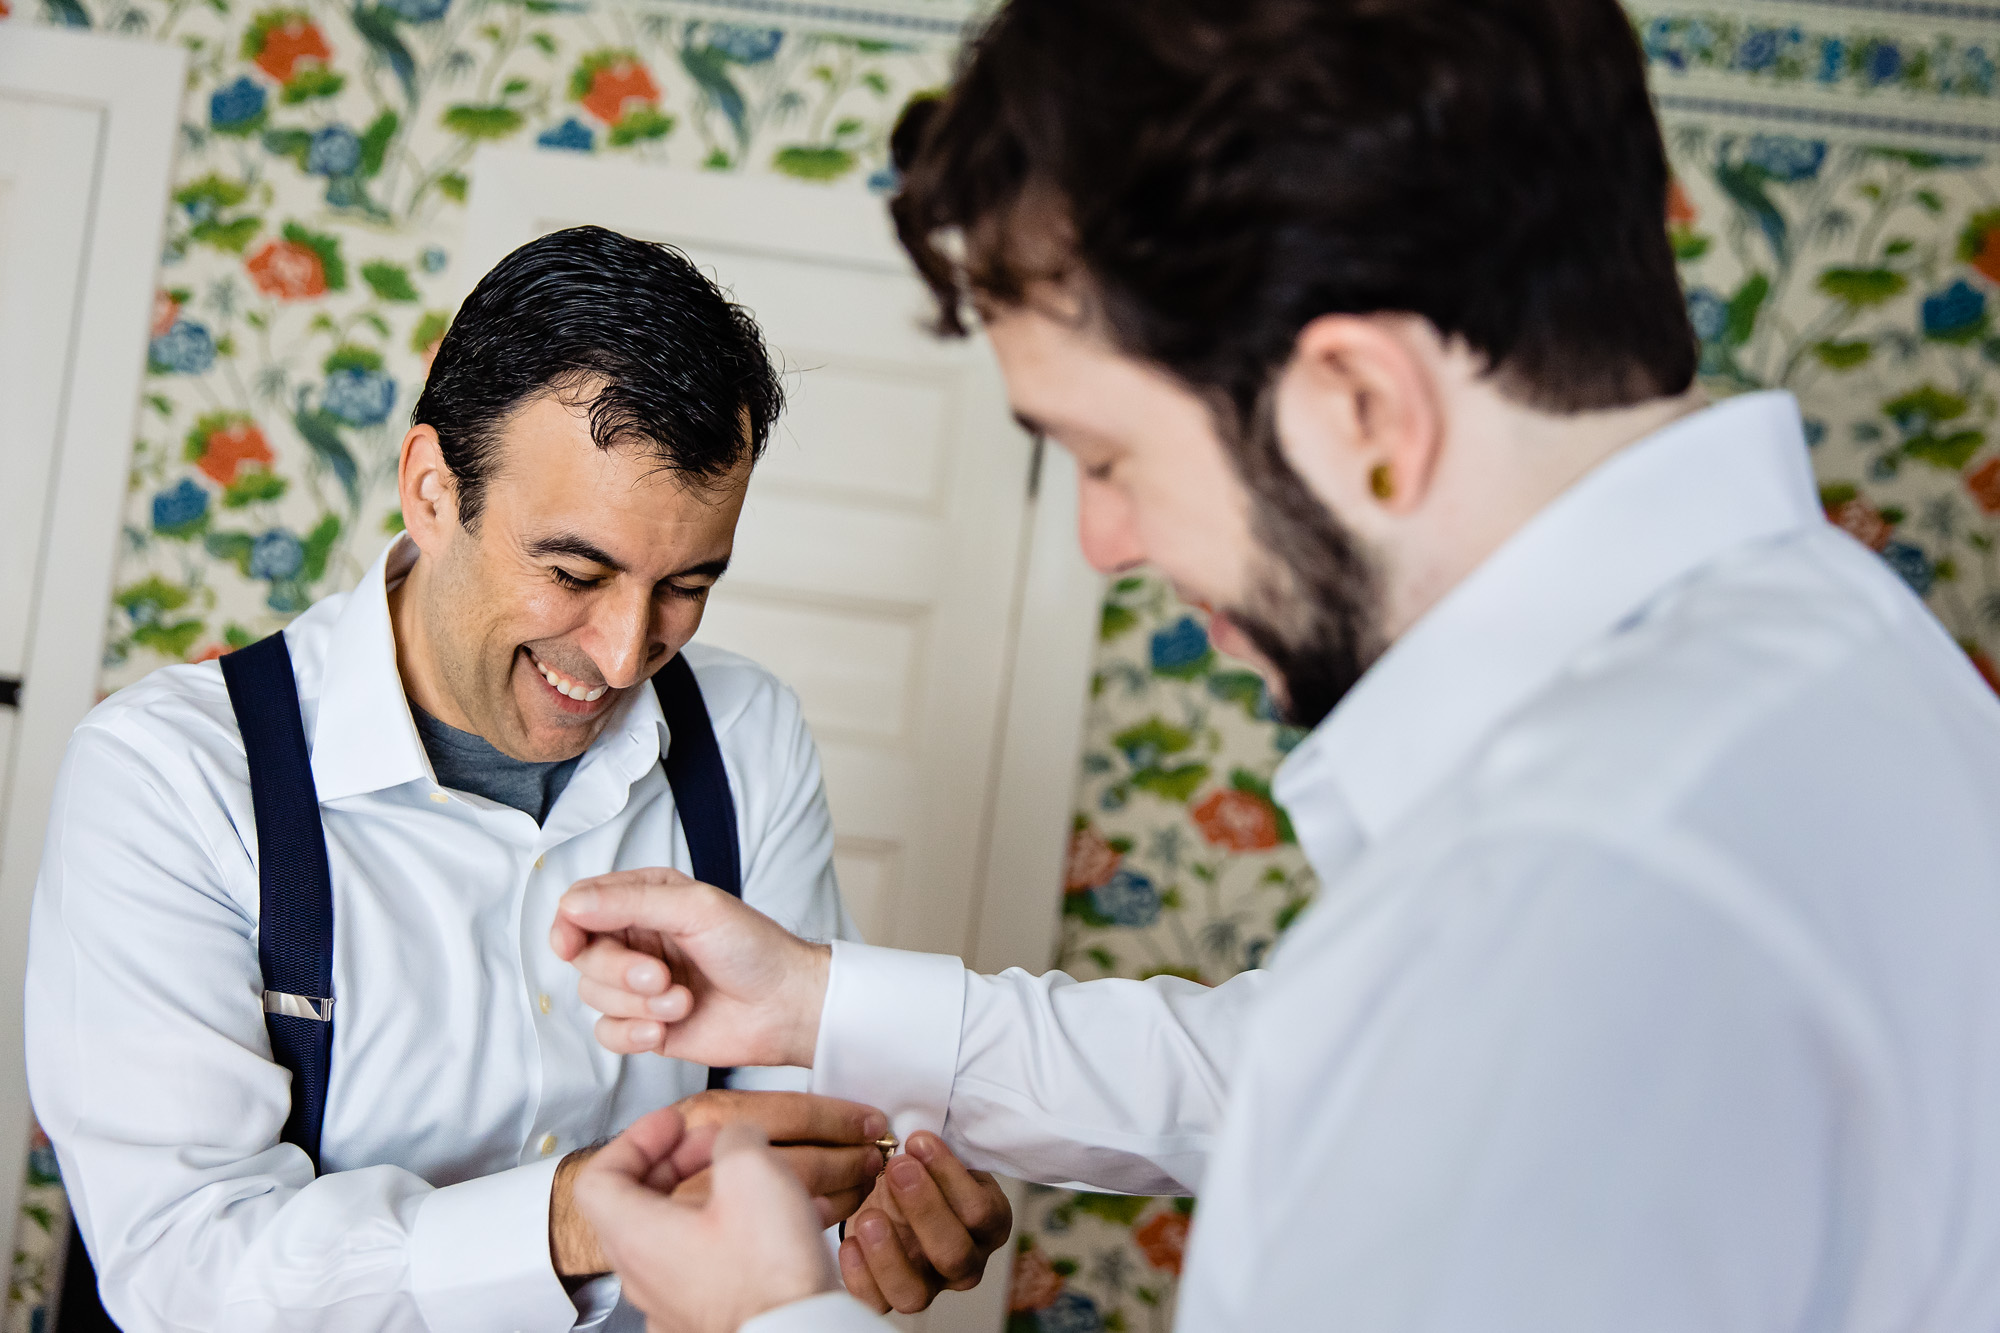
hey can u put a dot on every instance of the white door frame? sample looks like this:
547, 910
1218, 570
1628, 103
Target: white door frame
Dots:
135, 86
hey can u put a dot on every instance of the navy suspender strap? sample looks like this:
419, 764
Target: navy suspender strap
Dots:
701, 788
294, 884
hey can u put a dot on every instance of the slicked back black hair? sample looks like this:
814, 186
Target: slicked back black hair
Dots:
628, 330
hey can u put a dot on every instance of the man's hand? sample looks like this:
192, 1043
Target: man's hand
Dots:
929, 1226
828, 1145
682, 969
753, 1246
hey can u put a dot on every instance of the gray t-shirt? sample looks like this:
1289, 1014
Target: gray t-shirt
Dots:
465, 762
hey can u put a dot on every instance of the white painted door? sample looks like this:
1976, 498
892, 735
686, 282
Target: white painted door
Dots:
48, 164
86, 143
898, 563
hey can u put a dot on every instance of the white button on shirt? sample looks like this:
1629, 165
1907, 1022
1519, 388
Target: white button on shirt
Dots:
462, 1059
1654, 981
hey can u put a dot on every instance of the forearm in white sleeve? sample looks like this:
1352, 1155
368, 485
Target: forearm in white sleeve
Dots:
149, 1065
1115, 1085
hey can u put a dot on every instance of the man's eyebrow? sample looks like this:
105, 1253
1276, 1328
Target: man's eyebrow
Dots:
706, 569
1030, 425
573, 546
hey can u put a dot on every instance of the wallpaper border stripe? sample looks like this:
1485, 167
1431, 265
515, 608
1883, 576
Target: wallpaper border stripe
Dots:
1843, 120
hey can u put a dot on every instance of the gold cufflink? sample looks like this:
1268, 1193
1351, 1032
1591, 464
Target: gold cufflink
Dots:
887, 1143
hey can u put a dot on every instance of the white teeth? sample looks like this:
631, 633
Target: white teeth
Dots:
569, 688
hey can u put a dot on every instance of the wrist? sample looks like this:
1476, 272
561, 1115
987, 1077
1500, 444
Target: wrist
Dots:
810, 981
573, 1246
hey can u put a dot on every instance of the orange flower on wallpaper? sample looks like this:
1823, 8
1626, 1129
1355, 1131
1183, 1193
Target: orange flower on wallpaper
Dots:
1092, 861
1863, 520
1036, 1282
287, 270
1680, 209
1163, 1240
1979, 246
166, 310
616, 86
1238, 820
1984, 483
287, 42
230, 447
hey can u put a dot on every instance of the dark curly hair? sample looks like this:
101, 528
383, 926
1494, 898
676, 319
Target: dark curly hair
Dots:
628, 330
1212, 175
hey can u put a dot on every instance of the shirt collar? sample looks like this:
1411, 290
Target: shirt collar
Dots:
365, 740
1649, 515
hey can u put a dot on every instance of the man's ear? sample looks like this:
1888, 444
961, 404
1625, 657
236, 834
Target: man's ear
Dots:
428, 491
1359, 413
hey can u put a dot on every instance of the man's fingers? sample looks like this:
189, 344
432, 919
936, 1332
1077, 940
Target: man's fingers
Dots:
629, 1036
828, 1171
649, 1142
655, 898
901, 1285
615, 1002
791, 1117
860, 1282
611, 962
567, 939
946, 1241
834, 1208
975, 1197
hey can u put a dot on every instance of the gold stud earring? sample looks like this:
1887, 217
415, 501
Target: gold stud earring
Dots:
1380, 482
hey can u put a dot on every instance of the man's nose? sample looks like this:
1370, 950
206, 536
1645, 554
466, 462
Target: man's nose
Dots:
624, 633
1104, 527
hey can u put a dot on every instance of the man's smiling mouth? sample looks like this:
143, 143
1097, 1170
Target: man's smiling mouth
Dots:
566, 687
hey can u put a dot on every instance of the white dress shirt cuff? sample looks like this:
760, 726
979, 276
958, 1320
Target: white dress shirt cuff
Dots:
479, 1256
828, 1312
889, 1032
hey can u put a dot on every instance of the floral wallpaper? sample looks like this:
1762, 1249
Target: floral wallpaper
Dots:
1836, 212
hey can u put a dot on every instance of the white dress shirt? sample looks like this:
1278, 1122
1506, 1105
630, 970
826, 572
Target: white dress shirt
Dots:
1654, 983
464, 1066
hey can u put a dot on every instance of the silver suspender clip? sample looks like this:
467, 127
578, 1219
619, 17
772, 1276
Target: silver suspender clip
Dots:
298, 1006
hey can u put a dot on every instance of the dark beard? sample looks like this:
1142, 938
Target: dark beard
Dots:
1313, 605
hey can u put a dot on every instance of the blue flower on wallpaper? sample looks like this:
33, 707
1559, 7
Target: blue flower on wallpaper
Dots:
235, 105
1882, 62
359, 397
1911, 563
1815, 432
1070, 1312
1832, 59
884, 179
179, 510
1758, 50
1956, 314
1127, 899
1708, 312
335, 151
184, 349
572, 134
277, 555
432, 260
1180, 647
746, 46
419, 11
1786, 158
